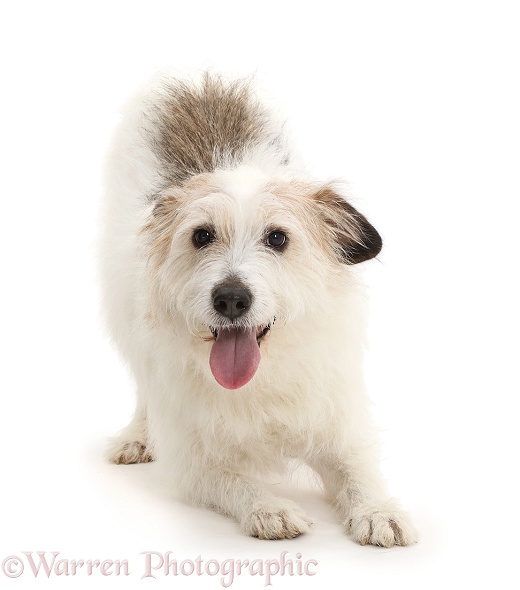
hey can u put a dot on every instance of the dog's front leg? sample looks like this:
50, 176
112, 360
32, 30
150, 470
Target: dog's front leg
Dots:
132, 444
259, 513
353, 482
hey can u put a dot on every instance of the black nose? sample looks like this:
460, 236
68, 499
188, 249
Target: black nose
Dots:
231, 302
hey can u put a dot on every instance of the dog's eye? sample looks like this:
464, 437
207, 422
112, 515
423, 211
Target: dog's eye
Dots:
202, 237
276, 239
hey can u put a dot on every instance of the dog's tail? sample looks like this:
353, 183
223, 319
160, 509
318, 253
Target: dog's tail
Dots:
195, 128
174, 129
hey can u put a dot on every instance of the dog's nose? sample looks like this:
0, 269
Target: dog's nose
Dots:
231, 302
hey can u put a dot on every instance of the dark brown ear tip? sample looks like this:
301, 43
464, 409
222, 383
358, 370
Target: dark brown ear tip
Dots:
369, 247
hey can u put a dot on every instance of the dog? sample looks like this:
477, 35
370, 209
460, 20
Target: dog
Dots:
230, 288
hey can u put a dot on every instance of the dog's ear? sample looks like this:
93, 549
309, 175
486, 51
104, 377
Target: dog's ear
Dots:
355, 239
158, 228
164, 206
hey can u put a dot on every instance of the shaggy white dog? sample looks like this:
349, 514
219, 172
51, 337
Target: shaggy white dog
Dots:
229, 288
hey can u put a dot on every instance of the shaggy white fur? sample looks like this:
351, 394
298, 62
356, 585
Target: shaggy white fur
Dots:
229, 287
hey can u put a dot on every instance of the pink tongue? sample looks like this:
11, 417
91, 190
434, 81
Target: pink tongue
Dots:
234, 357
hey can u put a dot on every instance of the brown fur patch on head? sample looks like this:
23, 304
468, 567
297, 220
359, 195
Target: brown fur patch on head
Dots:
168, 207
197, 128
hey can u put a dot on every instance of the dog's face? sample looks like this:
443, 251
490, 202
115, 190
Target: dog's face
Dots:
232, 253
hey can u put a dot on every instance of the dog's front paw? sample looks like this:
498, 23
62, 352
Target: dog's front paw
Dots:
126, 452
385, 525
275, 519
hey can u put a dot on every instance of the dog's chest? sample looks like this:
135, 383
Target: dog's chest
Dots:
274, 431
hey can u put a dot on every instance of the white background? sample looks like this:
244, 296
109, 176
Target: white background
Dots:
416, 104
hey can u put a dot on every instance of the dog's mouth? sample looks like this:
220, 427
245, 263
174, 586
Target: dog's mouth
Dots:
261, 332
235, 353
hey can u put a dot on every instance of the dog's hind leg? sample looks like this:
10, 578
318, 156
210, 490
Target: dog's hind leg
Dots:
132, 444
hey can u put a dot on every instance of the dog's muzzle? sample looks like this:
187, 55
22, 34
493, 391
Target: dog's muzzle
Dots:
235, 354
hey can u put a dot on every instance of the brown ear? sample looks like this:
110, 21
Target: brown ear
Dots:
355, 239
164, 206
159, 229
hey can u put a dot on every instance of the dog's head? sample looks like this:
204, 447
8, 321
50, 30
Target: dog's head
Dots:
233, 252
